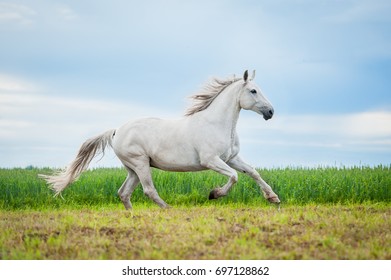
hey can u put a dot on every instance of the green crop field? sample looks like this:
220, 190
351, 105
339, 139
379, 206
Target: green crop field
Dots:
326, 213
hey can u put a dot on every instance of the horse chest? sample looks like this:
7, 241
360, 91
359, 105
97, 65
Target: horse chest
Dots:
232, 149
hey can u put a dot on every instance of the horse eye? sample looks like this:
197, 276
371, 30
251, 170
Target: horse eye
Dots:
253, 91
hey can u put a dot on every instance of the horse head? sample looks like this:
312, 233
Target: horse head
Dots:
252, 98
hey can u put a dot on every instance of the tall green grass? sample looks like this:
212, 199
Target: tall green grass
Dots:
22, 189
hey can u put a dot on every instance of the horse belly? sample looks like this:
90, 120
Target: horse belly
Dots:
176, 159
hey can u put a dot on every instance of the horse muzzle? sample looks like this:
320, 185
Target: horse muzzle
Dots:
267, 113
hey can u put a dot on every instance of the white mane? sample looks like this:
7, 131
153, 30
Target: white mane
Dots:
209, 92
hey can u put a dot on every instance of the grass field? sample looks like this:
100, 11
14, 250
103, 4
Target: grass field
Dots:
327, 213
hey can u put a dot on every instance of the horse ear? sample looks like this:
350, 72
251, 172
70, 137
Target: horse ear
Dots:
253, 75
245, 76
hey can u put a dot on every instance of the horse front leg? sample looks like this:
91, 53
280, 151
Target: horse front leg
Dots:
218, 165
241, 166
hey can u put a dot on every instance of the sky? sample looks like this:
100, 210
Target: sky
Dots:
70, 70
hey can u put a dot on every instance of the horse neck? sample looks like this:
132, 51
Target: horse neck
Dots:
225, 109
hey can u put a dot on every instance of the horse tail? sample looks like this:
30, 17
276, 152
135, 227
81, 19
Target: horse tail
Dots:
88, 150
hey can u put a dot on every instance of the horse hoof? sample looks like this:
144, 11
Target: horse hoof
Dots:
166, 206
274, 199
213, 194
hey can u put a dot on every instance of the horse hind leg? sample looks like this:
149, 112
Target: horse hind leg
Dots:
127, 188
144, 174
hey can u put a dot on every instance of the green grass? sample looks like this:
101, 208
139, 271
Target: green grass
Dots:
22, 189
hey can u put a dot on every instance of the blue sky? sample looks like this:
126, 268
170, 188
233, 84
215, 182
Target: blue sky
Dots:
72, 69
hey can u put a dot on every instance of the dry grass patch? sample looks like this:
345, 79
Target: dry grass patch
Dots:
223, 232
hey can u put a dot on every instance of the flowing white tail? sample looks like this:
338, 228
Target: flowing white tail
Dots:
87, 152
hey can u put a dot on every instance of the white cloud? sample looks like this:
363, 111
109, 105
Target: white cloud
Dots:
17, 13
366, 124
375, 124
10, 83
54, 117
67, 13
36, 16
313, 140
364, 130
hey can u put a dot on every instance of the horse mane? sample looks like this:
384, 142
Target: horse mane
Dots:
208, 94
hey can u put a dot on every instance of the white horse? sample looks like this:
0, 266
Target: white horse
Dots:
205, 138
